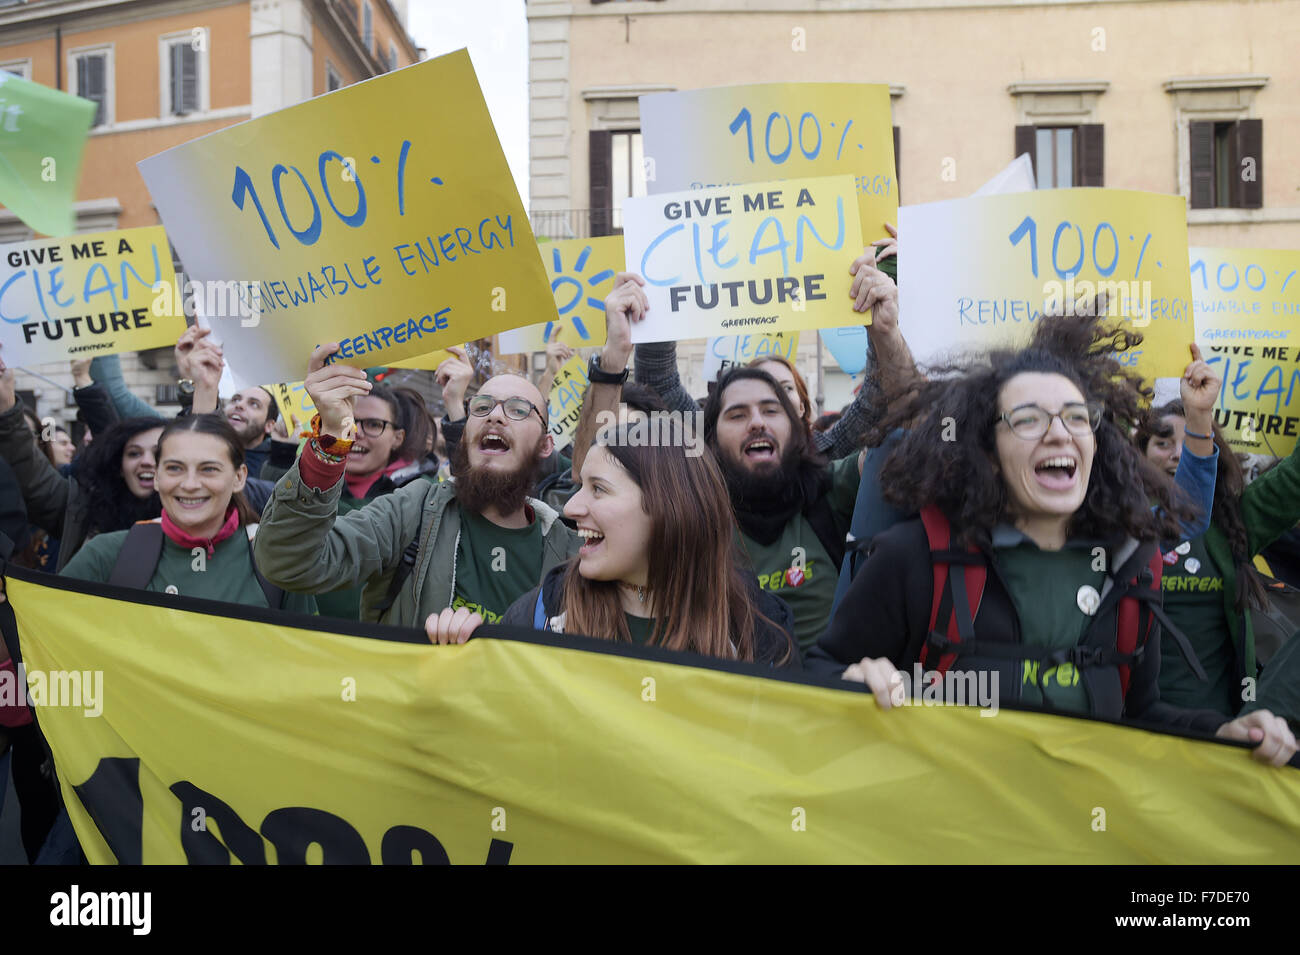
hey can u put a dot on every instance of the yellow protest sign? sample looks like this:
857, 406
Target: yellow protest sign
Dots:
727, 351
565, 399
295, 404
980, 271
760, 257
734, 134
351, 223
351, 748
582, 273
1247, 305
86, 295
428, 362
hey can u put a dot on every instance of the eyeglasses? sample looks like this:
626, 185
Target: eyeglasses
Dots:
1032, 422
374, 427
480, 406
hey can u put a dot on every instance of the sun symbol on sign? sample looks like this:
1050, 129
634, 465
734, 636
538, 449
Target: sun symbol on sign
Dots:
574, 286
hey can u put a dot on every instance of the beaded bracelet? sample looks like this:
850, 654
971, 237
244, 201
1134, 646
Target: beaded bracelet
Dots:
324, 457
328, 443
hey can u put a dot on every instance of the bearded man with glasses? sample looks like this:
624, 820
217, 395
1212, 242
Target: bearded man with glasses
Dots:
476, 542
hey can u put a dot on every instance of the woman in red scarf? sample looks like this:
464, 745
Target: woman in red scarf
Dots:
206, 526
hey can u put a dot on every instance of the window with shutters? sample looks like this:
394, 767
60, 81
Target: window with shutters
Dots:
1226, 164
617, 171
184, 73
392, 55
1064, 156
21, 68
332, 79
367, 27
90, 76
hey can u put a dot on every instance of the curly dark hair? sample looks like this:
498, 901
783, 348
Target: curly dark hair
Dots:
109, 504
948, 457
1229, 484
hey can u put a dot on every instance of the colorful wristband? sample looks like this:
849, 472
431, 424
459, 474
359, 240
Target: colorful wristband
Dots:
1193, 434
338, 447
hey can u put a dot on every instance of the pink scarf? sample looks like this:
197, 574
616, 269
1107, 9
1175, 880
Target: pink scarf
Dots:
360, 484
188, 542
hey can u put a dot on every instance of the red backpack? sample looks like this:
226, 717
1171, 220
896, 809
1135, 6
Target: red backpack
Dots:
1132, 593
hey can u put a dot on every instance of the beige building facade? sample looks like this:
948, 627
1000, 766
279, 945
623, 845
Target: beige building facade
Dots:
165, 72
1193, 97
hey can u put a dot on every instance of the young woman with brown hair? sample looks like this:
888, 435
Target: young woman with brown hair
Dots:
658, 567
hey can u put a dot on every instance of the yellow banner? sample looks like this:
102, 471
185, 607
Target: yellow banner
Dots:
762, 257
978, 272
565, 400
726, 135
86, 295
353, 223
295, 404
275, 738
582, 273
1247, 305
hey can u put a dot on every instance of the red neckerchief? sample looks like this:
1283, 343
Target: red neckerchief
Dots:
359, 485
188, 541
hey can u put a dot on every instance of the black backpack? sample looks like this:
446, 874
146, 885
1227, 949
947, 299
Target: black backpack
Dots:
138, 559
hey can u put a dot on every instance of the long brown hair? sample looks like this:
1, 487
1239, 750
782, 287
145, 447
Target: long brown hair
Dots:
696, 590
217, 426
1229, 484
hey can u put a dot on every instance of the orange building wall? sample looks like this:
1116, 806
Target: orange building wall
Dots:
342, 58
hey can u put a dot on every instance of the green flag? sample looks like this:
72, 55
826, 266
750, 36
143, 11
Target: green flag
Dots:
42, 135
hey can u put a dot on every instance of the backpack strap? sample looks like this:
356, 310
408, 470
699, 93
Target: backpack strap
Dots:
275, 597
403, 571
138, 557
959, 579
539, 612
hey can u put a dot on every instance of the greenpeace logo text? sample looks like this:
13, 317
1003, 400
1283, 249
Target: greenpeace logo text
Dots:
102, 908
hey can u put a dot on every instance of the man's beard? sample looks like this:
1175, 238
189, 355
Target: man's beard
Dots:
744, 484
480, 487
250, 432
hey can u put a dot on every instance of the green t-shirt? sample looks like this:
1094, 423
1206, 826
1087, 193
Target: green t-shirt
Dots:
495, 565
639, 628
810, 589
227, 575
1045, 586
1193, 596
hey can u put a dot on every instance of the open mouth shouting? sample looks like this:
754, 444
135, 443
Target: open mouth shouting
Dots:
1057, 473
760, 448
145, 479
494, 442
592, 539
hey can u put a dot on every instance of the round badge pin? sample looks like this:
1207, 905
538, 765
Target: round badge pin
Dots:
1088, 599
1192, 565
1183, 548
171, 589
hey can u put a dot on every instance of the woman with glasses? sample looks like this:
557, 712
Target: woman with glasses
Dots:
1029, 572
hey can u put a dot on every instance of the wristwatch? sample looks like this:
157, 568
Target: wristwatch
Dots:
185, 388
598, 376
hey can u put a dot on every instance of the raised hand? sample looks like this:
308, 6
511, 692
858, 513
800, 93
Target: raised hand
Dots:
334, 390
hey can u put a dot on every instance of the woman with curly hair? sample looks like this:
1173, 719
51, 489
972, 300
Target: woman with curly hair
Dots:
1211, 589
1034, 555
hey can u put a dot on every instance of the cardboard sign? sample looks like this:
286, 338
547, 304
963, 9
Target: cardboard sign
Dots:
978, 272
582, 273
762, 257
87, 295
350, 222
701, 139
429, 362
727, 351
1247, 306
565, 399
42, 136
295, 405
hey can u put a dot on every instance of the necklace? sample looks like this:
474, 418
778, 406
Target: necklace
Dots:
640, 591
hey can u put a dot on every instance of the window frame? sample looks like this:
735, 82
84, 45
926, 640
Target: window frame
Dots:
367, 26
165, 42
110, 84
25, 62
332, 74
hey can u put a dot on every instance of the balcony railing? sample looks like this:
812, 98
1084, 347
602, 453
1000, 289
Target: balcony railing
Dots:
573, 223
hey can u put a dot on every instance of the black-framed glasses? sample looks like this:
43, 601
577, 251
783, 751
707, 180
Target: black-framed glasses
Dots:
1031, 422
516, 408
374, 427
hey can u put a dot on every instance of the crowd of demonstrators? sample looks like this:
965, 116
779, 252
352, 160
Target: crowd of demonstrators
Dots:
477, 541
1033, 557
638, 510
1212, 590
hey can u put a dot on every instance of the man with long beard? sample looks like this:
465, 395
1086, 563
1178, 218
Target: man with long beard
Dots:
793, 510
477, 542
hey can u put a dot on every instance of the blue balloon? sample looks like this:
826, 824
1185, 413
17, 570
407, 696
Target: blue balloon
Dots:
848, 347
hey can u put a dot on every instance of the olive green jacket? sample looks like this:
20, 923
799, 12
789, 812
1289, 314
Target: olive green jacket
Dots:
305, 546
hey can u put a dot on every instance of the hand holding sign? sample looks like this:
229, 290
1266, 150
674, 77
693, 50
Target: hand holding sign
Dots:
887, 245
628, 303
454, 375
870, 287
1199, 385
334, 390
